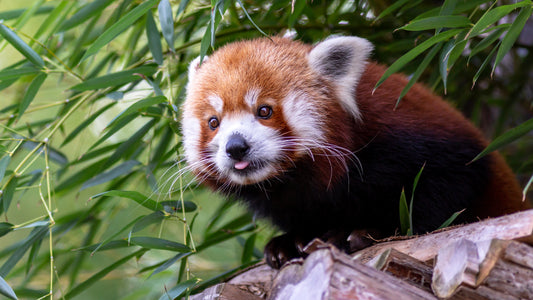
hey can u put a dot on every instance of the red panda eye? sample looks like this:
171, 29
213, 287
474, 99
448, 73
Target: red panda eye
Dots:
213, 123
264, 112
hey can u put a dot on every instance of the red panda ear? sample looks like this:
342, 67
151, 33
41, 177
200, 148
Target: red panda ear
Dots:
194, 66
342, 60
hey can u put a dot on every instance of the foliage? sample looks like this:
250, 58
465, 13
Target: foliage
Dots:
93, 190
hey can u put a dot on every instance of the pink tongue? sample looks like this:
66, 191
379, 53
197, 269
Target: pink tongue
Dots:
241, 165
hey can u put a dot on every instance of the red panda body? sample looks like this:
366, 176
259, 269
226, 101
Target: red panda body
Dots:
295, 132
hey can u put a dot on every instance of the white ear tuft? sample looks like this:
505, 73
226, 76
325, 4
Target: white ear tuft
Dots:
342, 60
194, 66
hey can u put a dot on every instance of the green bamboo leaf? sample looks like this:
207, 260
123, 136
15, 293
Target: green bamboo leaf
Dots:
16, 13
390, 9
115, 79
32, 90
135, 196
53, 18
487, 41
179, 289
526, 188
513, 33
137, 107
6, 74
507, 138
28, 13
167, 22
443, 61
295, 15
437, 22
34, 224
21, 46
36, 235
419, 70
493, 15
154, 40
33, 255
248, 248
124, 23
450, 220
404, 214
96, 277
182, 7
483, 65
6, 290
409, 56
4, 162
113, 129
250, 18
175, 206
111, 245
82, 176
165, 265
85, 13
7, 196
155, 217
5, 228
122, 169
130, 145
157, 243
83, 125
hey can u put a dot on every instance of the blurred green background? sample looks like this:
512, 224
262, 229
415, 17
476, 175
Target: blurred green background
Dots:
90, 162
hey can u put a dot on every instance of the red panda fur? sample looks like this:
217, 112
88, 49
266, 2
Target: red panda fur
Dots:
314, 96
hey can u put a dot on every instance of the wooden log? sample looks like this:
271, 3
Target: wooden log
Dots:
404, 267
517, 226
257, 280
224, 291
330, 274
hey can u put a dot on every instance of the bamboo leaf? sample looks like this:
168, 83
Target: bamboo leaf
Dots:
85, 13
96, 277
115, 79
248, 249
409, 56
86, 123
154, 40
391, 8
250, 19
513, 33
4, 162
36, 234
5, 228
507, 138
169, 263
167, 22
526, 188
487, 41
135, 196
113, 129
179, 289
111, 245
32, 90
160, 244
450, 220
155, 217
493, 15
175, 206
21, 46
404, 213
437, 22
7, 196
118, 171
17, 73
124, 23
6, 290
137, 107
483, 66
414, 78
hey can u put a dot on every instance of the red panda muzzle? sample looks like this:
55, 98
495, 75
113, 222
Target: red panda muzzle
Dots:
302, 139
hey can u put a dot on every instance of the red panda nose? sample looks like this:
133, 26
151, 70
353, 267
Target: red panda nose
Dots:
236, 147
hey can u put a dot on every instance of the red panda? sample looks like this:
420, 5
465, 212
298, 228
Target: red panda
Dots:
296, 132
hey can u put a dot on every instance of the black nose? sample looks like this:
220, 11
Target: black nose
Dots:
237, 147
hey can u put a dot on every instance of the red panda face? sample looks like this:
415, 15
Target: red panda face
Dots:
254, 109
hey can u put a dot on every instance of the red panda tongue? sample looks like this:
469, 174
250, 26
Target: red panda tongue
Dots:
241, 165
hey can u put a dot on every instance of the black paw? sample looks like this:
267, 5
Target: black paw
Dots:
283, 248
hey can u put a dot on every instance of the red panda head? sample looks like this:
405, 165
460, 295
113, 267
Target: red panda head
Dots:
254, 109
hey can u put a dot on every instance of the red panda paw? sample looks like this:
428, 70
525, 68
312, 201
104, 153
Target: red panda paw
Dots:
283, 248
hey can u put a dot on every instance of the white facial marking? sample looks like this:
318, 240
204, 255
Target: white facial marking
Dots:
216, 102
251, 97
265, 149
304, 118
191, 137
